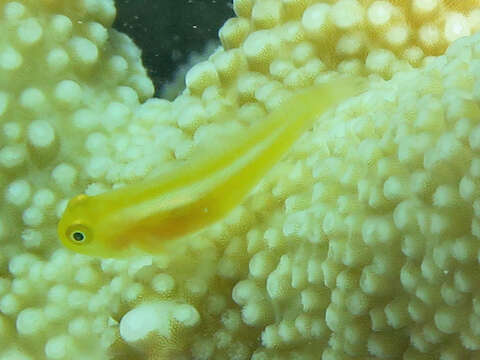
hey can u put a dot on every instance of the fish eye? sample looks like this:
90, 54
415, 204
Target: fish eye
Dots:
78, 234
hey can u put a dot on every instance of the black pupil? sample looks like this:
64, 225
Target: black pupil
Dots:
78, 236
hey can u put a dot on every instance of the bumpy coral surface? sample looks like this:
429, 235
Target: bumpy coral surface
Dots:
362, 243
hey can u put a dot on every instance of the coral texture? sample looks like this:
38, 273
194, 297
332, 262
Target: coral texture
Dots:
362, 243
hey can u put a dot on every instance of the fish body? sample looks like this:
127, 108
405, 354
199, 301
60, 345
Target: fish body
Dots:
196, 192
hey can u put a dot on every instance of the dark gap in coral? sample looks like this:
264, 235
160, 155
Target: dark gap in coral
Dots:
167, 31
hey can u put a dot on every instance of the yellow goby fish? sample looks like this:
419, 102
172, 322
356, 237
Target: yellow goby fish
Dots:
197, 192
